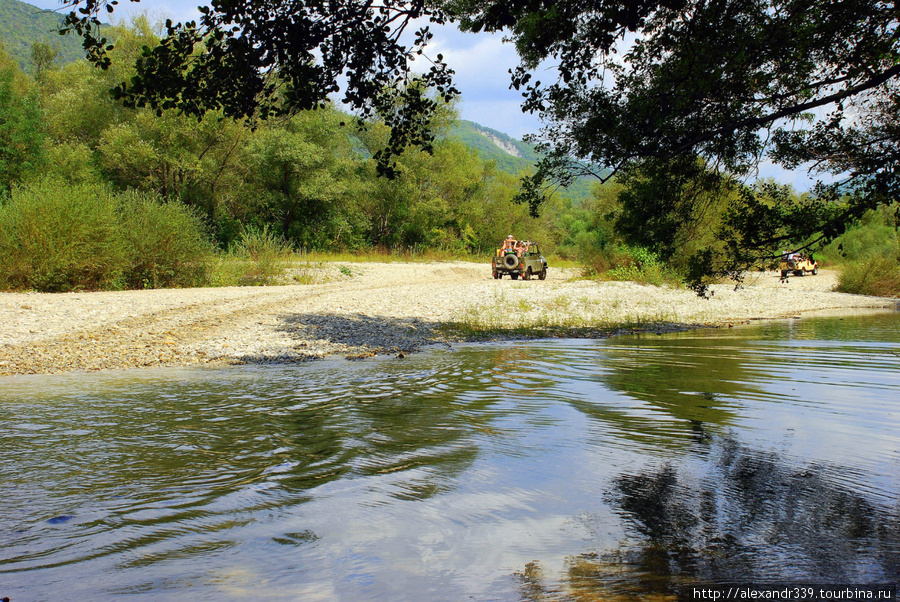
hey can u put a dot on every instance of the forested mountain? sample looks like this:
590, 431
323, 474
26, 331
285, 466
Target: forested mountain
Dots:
510, 155
22, 24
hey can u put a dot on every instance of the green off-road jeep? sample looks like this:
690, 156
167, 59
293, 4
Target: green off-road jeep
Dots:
519, 258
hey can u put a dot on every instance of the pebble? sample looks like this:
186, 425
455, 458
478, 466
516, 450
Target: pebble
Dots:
381, 309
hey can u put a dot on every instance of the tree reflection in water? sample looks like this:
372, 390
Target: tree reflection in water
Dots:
733, 515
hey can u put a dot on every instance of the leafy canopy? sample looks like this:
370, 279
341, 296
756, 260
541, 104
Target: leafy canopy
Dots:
730, 81
278, 57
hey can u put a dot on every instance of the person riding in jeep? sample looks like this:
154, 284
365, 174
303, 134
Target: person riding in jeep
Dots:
519, 258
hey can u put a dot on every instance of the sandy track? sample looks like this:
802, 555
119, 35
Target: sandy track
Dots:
379, 308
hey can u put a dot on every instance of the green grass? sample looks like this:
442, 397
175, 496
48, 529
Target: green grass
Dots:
562, 316
481, 329
423, 255
264, 256
555, 261
392, 256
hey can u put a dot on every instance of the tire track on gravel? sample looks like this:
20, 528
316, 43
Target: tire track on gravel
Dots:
188, 334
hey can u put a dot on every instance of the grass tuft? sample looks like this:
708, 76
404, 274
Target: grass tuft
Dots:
561, 317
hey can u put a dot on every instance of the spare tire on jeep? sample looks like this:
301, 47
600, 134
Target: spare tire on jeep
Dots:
518, 258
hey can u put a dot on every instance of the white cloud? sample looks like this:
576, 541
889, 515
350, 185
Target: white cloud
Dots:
482, 63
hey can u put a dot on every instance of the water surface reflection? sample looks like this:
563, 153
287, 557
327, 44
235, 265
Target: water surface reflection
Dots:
546, 469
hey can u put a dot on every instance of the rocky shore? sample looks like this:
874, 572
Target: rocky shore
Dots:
366, 309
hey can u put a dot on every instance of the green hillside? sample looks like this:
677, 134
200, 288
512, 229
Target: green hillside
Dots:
22, 24
510, 155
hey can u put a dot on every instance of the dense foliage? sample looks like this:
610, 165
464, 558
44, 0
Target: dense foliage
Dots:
643, 87
305, 181
671, 122
870, 254
20, 124
56, 237
729, 81
273, 59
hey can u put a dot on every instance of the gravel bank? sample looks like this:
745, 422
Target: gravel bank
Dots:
378, 308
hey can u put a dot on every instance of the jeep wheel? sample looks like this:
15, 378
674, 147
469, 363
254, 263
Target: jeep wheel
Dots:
510, 261
815, 270
514, 276
496, 275
542, 275
527, 274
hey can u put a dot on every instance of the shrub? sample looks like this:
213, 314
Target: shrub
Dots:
878, 276
57, 238
875, 234
266, 255
624, 263
167, 244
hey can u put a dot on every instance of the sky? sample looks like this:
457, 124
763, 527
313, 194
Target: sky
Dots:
481, 62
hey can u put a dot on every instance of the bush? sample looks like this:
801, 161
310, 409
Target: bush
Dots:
878, 276
624, 263
875, 234
266, 255
56, 237
167, 244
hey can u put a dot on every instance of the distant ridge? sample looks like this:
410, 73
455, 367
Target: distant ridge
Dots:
22, 24
511, 155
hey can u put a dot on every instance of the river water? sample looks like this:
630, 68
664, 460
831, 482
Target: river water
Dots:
625, 467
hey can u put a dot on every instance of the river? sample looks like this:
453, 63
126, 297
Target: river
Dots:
540, 470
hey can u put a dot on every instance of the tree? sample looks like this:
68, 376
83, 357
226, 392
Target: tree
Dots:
729, 81
276, 58
673, 207
78, 106
43, 56
21, 130
302, 177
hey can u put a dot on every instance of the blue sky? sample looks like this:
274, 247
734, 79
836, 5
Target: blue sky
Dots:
481, 62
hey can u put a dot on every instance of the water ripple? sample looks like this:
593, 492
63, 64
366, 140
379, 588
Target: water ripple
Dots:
573, 466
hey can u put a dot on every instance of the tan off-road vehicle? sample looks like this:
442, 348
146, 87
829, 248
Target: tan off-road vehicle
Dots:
519, 258
797, 264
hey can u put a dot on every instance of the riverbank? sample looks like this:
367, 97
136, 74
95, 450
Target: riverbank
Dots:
359, 310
